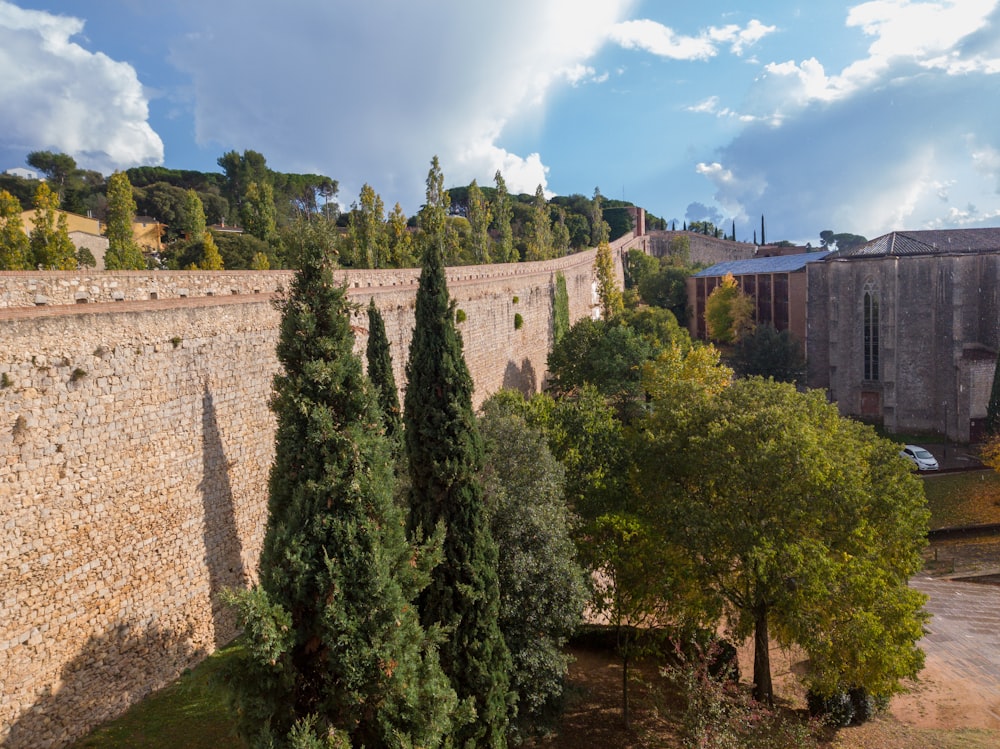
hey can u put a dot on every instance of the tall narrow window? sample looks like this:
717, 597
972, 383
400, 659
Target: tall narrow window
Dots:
871, 331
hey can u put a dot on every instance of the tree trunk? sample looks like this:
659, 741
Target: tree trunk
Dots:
762, 690
625, 688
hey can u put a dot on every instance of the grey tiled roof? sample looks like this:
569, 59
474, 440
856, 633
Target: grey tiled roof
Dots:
929, 242
781, 264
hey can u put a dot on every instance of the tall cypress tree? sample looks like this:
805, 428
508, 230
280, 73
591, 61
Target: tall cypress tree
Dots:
380, 373
333, 645
445, 455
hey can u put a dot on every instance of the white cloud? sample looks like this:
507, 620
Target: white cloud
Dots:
662, 41
370, 92
58, 96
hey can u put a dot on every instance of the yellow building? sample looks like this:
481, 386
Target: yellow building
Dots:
89, 232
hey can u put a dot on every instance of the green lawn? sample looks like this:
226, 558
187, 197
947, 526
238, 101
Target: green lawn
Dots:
190, 713
969, 498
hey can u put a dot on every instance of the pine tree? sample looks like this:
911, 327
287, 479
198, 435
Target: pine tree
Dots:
14, 248
333, 645
380, 373
123, 253
445, 454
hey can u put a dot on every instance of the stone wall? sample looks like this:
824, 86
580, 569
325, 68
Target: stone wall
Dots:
704, 250
136, 442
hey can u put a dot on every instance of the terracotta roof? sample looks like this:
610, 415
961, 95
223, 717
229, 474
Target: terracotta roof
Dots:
929, 242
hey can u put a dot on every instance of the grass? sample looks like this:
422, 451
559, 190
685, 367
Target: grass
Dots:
969, 498
189, 713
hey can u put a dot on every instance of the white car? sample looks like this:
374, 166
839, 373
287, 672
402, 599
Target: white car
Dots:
922, 459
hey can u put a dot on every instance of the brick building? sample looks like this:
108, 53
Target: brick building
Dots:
776, 284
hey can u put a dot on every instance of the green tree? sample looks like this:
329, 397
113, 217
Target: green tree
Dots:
123, 252
638, 266
728, 312
480, 217
804, 525
14, 247
85, 258
258, 212
333, 649
210, 258
539, 240
58, 169
193, 220
560, 233
304, 233
381, 376
768, 352
502, 215
49, 242
599, 229
259, 261
444, 452
366, 235
542, 588
607, 286
560, 309
667, 288
400, 240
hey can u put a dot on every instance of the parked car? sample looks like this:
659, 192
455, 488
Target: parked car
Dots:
920, 457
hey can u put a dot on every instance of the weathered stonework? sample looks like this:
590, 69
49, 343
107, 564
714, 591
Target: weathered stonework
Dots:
136, 442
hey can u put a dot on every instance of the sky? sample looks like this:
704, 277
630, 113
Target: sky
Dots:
863, 117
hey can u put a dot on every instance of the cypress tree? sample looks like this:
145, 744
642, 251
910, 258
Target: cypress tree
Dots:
445, 455
380, 373
334, 652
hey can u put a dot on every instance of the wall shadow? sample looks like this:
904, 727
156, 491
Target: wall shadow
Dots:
521, 378
111, 672
223, 548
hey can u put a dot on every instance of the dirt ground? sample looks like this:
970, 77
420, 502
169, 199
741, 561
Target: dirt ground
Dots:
942, 710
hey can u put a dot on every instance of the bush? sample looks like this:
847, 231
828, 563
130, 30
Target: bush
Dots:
518, 321
847, 708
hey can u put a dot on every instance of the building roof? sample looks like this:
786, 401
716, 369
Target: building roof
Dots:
779, 264
928, 242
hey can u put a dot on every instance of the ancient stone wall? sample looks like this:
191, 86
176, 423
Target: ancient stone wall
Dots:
703, 249
136, 442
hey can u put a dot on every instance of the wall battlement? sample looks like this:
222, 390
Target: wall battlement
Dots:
136, 443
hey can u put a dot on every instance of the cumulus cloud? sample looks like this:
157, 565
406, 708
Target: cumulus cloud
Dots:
663, 41
58, 96
355, 93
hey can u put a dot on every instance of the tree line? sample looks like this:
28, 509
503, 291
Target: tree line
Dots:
271, 215
424, 565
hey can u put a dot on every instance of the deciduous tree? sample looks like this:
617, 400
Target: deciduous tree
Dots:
768, 352
607, 286
14, 248
480, 217
210, 258
728, 312
539, 240
258, 211
123, 252
334, 654
51, 247
503, 213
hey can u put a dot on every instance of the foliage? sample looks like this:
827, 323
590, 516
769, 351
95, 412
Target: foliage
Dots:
560, 309
539, 239
767, 352
719, 715
667, 288
366, 243
444, 452
123, 252
333, 645
993, 407
14, 247
502, 215
843, 242
49, 242
258, 212
794, 518
480, 217
259, 261
542, 588
679, 250
193, 222
304, 233
210, 258
381, 376
607, 287
85, 258
728, 311
619, 222
599, 229
401, 250
518, 321
638, 265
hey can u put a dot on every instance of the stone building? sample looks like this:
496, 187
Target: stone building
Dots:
904, 330
776, 284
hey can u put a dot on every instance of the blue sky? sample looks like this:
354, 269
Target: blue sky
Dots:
859, 117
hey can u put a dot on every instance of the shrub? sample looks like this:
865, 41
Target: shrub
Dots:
460, 316
518, 321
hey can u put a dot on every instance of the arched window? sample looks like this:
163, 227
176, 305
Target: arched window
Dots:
871, 330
